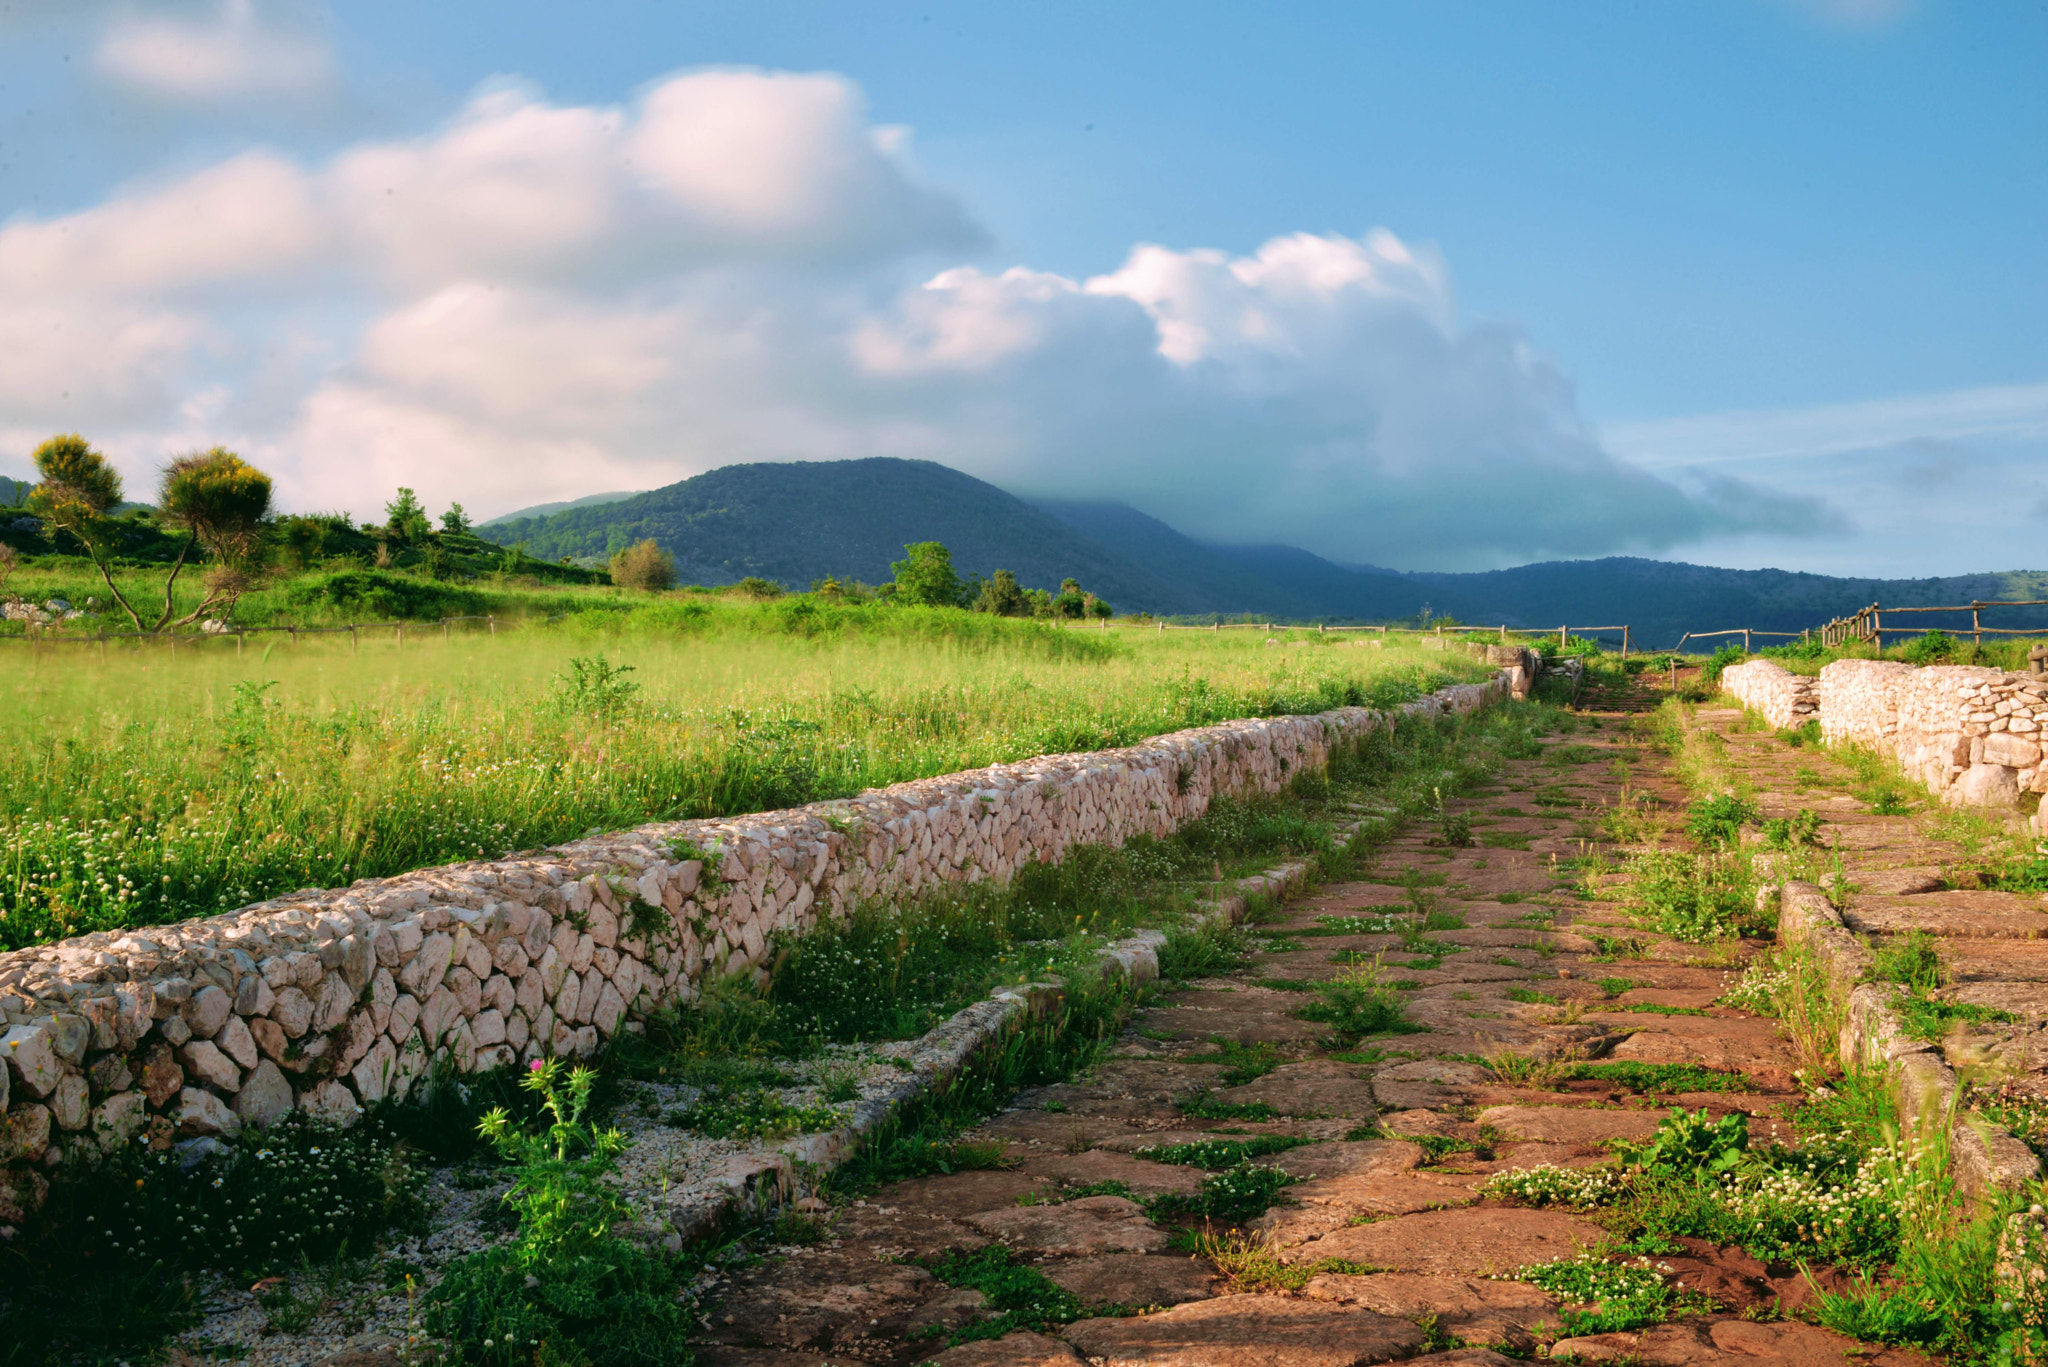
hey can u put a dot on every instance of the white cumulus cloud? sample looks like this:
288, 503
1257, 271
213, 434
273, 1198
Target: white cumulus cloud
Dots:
228, 50
537, 300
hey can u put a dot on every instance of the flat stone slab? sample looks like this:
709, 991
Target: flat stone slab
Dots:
1142, 1176
1997, 960
1061, 1130
1134, 1279
1733, 1342
821, 1299
1476, 1242
957, 1195
1319, 1086
1969, 915
1582, 1125
1366, 1194
1902, 882
1247, 1331
1093, 1224
1019, 1349
1347, 1158
1743, 1044
1245, 1027
1473, 1308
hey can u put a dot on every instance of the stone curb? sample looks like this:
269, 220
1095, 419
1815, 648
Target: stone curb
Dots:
758, 1182
1984, 1156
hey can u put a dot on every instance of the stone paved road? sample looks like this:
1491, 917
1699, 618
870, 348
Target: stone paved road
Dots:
1403, 1202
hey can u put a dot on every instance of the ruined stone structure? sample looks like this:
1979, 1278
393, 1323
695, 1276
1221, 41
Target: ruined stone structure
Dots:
1973, 735
329, 1000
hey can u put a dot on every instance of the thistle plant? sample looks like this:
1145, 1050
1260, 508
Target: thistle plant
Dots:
563, 1201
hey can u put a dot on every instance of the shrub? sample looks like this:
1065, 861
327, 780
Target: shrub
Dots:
567, 1289
1730, 654
644, 566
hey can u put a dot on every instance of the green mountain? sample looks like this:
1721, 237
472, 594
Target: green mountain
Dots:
543, 509
847, 519
801, 521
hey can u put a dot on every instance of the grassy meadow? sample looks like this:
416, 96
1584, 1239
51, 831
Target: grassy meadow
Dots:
142, 785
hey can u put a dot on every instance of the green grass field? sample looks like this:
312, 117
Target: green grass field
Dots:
141, 786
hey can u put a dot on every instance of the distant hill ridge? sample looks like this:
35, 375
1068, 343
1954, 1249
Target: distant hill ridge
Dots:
800, 521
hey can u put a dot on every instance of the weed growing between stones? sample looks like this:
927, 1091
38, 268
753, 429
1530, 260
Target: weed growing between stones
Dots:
1914, 962
1233, 1195
1021, 1297
1357, 1004
1694, 897
1603, 1297
1218, 1154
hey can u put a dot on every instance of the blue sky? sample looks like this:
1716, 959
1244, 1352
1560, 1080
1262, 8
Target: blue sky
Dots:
1746, 282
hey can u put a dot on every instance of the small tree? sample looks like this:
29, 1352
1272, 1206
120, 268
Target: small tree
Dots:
405, 517
925, 576
645, 566
1003, 596
78, 491
220, 501
1071, 602
1098, 608
754, 586
455, 522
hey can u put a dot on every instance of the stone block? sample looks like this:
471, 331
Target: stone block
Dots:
201, 1113
70, 1102
1986, 785
237, 1043
24, 1133
204, 1060
161, 1075
208, 1011
293, 1012
330, 1100
117, 1120
265, 1095
31, 1056
2014, 752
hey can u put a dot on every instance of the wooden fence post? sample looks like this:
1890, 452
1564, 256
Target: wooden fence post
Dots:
354, 645
1977, 623
1745, 640
493, 620
1624, 641
1560, 638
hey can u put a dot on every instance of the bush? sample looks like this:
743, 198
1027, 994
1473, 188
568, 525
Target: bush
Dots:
566, 1290
645, 566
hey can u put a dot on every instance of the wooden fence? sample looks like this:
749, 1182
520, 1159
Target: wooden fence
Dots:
1459, 630
1869, 624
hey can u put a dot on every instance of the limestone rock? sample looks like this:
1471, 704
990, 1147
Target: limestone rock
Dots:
1247, 1331
1093, 1224
265, 1095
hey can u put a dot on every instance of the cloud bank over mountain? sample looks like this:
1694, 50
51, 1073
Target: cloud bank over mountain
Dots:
538, 299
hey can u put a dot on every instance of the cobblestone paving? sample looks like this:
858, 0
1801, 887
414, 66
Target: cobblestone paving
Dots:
1403, 1130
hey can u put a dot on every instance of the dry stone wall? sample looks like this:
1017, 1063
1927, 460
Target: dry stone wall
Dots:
1973, 735
330, 1000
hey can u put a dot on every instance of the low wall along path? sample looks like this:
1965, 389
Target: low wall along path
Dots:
1973, 735
326, 1001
